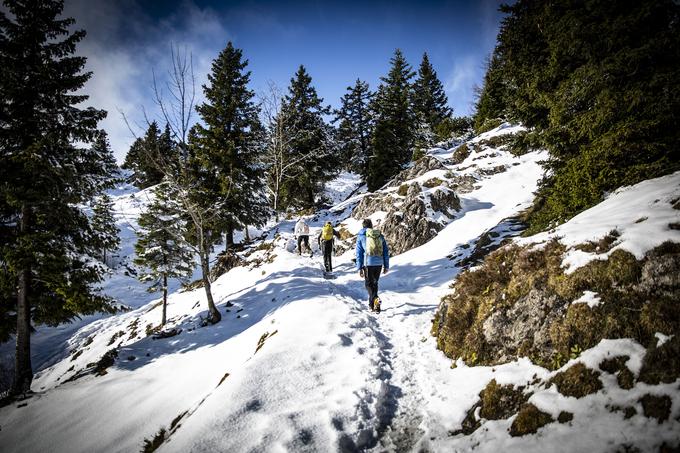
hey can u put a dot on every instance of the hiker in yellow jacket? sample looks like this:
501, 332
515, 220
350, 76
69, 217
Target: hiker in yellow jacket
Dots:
325, 240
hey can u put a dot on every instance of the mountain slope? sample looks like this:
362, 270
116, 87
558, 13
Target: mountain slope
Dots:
327, 374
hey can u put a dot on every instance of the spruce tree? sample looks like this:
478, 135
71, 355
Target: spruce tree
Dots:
231, 142
46, 177
353, 135
395, 123
162, 250
430, 103
310, 142
104, 226
598, 87
147, 155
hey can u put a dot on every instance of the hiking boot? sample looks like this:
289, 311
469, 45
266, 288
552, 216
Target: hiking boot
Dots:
376, 305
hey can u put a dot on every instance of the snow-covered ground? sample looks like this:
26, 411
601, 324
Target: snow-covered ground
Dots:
298, 363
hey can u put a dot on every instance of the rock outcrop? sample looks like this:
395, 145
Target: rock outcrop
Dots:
419, 168
409, 221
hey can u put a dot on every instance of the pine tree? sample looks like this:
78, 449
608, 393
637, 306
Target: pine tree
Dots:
353, 135
395, 123
598, 87
310, 139
104, 226
430, 103
162, 250
231, 142
146, 155
46, 178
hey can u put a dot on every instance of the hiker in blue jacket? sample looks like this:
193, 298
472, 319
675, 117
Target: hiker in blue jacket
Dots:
372, 257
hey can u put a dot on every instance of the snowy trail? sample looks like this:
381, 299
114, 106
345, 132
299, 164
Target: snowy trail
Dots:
297, 363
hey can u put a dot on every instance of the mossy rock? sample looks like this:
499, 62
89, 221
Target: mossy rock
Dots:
461, 153
501, 401
565, 417
470, 423
577, 381
658, 407
403, 190
529, 420
432, 182
617, 366
661, 364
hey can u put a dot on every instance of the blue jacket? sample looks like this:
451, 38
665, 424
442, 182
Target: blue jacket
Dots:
366, 260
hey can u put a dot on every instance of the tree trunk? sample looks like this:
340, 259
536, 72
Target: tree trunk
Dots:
229, 240
247, 234
23, 371
214, 315
165, 298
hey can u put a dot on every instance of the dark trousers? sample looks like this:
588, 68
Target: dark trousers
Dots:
303, 239
371, 277
327, 247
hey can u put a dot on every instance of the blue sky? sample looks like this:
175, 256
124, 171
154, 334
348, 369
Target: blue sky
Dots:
338, 42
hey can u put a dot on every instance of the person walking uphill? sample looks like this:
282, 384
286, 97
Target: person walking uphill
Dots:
325, 240
302, 233
372, 257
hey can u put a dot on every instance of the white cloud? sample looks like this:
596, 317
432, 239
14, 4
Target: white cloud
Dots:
122, 66
460, 83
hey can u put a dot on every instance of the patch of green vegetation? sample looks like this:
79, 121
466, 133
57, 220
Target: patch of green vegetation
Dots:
106, 361
662, 364
488, 124
461, 153
676, 203
529, 420
602, 246
565, 417
497, 141
115, 336
153, 444
76, 354
523, 142
631, 306
577, 381
418, 153
432, 182
617, 365
658, 407
402, 190
501, 401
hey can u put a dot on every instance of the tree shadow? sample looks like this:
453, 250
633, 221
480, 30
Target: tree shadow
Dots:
249, 308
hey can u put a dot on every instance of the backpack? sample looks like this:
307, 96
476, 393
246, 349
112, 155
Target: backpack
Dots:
374, 243
327, 232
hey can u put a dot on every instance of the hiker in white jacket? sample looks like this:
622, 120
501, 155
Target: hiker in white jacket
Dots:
302, 233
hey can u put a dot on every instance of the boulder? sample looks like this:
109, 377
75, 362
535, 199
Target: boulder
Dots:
419, 168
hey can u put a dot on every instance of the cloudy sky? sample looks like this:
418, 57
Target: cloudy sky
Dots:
338, 42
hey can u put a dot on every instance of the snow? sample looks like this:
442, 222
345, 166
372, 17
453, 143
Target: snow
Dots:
661, 338
590, 298
641, 214
299, 364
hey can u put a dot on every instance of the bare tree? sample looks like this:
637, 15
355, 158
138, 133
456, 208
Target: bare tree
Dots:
279, 159
177, 111
181, 86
